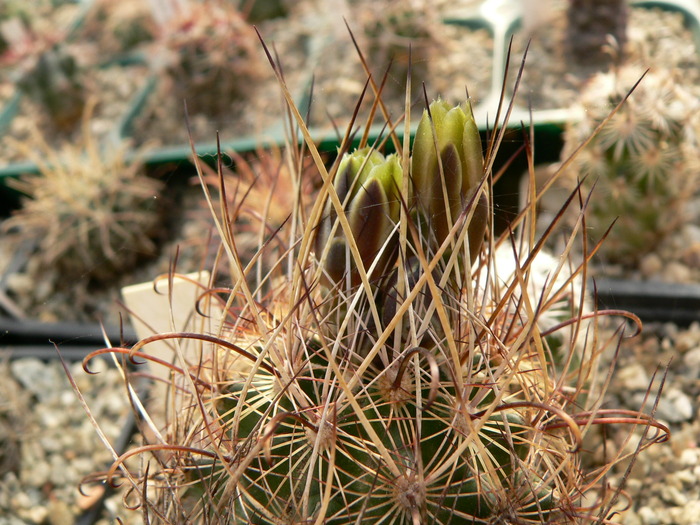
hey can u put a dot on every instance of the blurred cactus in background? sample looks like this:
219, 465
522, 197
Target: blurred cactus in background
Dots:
593, 25
94, 213
209, 53
117, 28
388, 37
645, 162
54, 80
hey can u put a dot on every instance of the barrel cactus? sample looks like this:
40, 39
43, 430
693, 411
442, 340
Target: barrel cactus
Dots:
207, 53
401, 379
643, 162
94, 214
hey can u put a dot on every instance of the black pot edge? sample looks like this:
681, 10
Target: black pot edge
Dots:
651, 301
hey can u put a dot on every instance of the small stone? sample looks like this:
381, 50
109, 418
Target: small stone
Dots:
691, 255
60, 513
634, 486
691, 233
673, 496
691, 360
35, 514
38, 378
688, 514
675, 406
690, 457
61, 472
651, 265
631, 518
633, 377
21, 500
648, 516
686, 477
688, 339
676, 272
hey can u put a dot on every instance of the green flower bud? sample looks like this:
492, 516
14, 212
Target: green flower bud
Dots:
368, 185
442, 192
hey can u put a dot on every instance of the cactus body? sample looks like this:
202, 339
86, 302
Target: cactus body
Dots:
643, 162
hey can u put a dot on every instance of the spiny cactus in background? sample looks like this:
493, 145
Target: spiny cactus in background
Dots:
24, 32
209, 52
388, 37
92, 212
55, 82
644, 162
591, 25
118, 27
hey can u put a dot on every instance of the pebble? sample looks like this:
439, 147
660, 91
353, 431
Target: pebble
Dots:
690, 457
633, 377
673, 496
675, 406
689, 339
677, 272
36, 378
651, 265
59, 444
648, 516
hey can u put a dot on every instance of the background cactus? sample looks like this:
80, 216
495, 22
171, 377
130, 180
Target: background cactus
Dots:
591, 26
387, 38
94, 213
644, 162
432, 396
54, 80
116, 28
208, 53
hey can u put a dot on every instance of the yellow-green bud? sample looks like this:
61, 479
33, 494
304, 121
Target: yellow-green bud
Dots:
448, 185
368, 185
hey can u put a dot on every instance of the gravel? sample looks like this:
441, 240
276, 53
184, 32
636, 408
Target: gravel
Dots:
664, 487
47, 443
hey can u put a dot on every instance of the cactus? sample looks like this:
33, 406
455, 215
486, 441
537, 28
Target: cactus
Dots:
118, 27
388, 37
643, 162
93, 213
591, 24
55, 82
209, 53
403, 380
